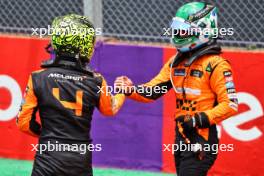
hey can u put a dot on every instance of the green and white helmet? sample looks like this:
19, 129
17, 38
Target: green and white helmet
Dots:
194, 25
73, 35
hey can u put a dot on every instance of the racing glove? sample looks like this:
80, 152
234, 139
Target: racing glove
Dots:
199, 120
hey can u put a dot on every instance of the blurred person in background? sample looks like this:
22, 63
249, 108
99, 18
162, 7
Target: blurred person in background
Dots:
203, 83
65, 93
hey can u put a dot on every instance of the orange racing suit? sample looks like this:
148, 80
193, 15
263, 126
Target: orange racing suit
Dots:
65, 97
107, 104
204, 86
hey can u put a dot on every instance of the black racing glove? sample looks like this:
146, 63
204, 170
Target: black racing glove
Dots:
187, 123
199, 120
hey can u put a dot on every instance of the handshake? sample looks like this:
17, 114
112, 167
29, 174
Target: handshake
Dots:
124, 85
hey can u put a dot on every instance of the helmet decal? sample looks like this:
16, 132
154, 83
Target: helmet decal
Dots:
74, 35
199, 19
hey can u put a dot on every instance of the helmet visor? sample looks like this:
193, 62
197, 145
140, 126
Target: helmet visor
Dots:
182, 29
178, 23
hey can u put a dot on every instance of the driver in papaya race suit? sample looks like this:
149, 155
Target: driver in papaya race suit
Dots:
66, 92
203, 83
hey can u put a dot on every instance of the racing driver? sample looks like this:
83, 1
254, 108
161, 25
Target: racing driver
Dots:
65, 93
203, 83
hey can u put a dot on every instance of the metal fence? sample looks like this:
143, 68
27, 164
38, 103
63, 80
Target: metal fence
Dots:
134, 20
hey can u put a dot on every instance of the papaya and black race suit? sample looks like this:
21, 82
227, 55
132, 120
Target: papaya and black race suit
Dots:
65, 95
203, 82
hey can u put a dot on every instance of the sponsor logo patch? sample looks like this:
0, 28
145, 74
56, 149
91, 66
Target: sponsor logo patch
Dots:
201, 13
209, 68
196, 73
229, 78
227, 73
231, 90
179, 72
232, 96
234, 100
230, 85
66, 77
188, 90
233, 106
